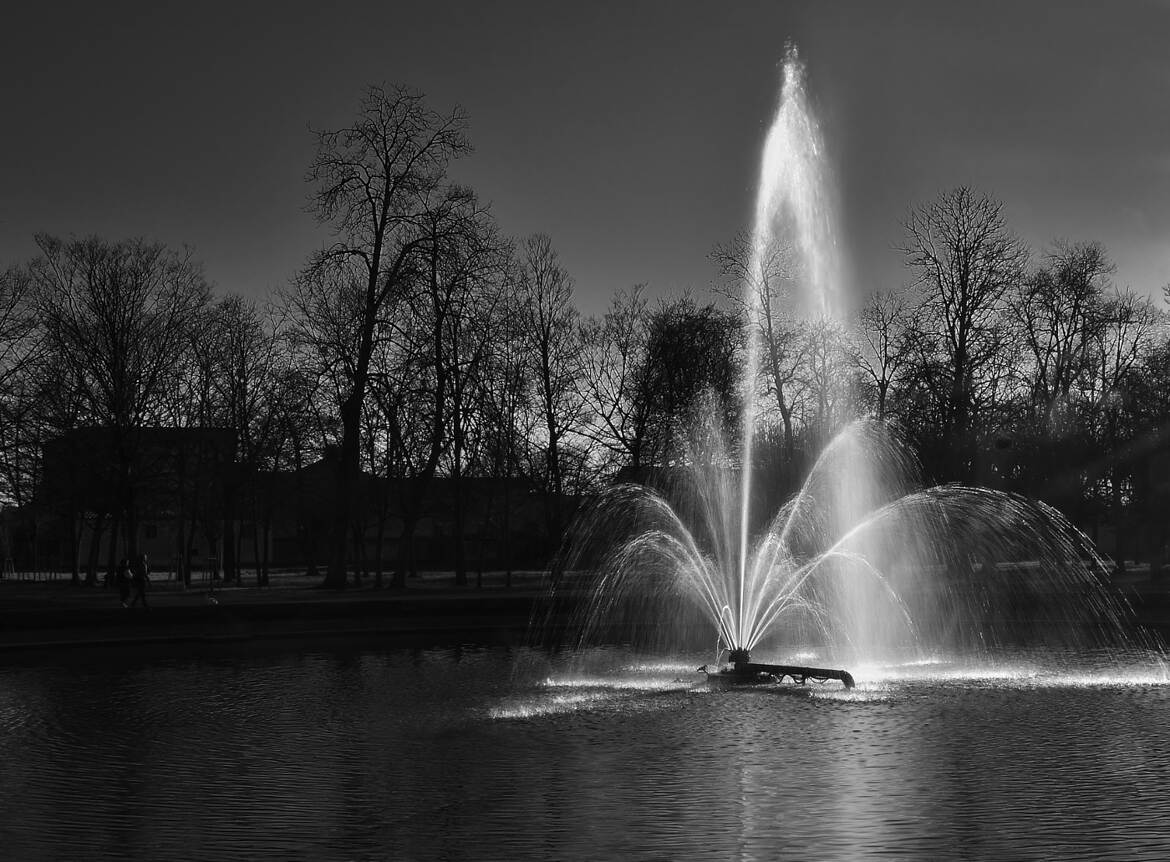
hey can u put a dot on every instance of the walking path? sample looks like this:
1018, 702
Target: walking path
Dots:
55, 613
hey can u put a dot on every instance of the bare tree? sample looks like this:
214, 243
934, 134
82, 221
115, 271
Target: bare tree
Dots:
245, 354
825, 381
965, 259
427, 356
374, 181
21, 346
760, 288
879, 350
477, 268
116, 318
506, 416
615, 377
303, 419
550, 323
19, 330
1056, 312
1124, 336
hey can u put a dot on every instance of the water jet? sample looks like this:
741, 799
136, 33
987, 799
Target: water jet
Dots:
861, 563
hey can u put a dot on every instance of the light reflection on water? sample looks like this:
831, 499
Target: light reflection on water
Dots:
497, 754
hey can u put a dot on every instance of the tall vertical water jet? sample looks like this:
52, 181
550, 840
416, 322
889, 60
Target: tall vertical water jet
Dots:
794, 206
862, 562
794, 197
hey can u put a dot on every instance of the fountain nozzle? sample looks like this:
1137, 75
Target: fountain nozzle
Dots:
739, 655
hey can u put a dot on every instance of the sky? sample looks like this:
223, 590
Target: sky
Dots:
629, 132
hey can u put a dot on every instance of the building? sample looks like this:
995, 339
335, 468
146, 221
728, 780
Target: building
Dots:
179, 495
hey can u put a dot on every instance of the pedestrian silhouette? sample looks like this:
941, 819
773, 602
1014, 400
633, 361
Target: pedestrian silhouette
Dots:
122, 579
140, 578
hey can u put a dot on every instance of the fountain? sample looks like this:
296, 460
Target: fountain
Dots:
861, 560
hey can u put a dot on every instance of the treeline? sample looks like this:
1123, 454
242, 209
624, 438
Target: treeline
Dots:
1030, 372
421, 342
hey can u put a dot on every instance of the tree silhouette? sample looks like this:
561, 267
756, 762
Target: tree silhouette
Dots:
964, 259
376, 183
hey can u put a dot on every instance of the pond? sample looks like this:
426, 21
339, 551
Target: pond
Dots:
364, 752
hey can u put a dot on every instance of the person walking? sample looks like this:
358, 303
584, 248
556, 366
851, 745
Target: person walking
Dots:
122, 580
140, 577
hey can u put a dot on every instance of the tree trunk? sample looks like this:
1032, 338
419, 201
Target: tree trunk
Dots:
95, 550
335, 573
256, 553
349, 466
182, 552
506, 548
77, 528
309, 549
380, 552
406, 561
266, 549
457, 518
189, 549
359, 554
231, 572
112, 551
789, 435
182, 561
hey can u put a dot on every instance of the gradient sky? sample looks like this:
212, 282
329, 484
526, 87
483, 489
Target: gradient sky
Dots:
629, 132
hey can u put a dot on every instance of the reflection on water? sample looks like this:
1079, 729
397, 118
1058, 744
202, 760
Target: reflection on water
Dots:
496, 754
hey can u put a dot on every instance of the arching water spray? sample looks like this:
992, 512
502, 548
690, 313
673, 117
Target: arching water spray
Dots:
862, 562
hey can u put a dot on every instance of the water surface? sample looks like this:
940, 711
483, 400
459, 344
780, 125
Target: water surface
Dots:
489, 753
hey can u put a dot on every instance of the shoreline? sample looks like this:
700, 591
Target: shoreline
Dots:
56, 616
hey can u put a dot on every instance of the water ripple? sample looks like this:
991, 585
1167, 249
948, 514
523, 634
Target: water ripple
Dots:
454, 754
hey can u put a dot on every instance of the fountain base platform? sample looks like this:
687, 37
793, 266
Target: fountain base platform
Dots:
742, 671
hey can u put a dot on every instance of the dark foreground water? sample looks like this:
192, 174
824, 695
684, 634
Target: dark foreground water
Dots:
366, 753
